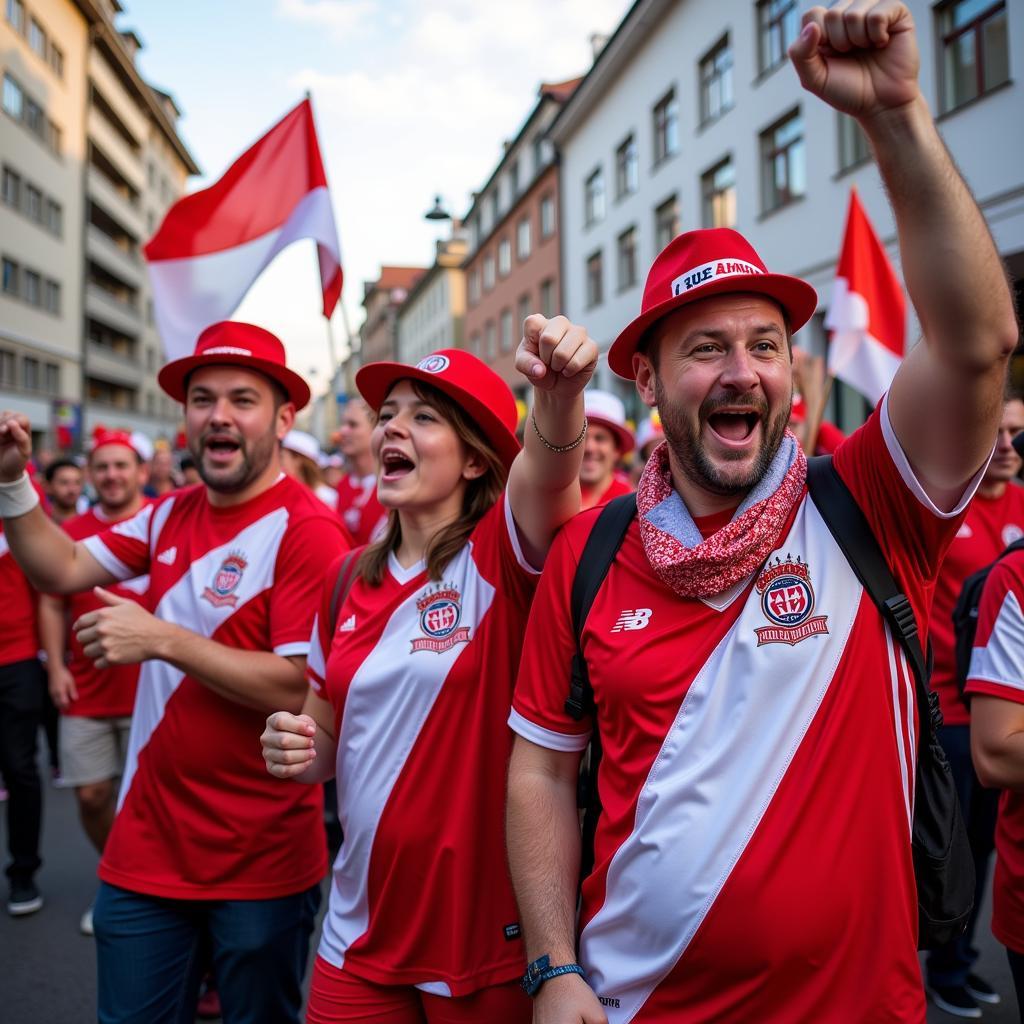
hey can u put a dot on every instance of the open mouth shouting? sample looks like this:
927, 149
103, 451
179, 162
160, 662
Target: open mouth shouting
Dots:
734, 426
219, 449
394, 464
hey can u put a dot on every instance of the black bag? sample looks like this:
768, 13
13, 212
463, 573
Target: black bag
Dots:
965, 617
943, 865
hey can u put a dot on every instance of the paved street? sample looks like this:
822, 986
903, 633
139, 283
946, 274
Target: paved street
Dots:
47, 969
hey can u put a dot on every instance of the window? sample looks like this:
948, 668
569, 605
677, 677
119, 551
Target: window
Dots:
14, 98
595, 280
523, 239
16, 15
975, 52
593, 197
504, 257
513, 179
54, 217
57, 60
626, 253
35, 119
666, 127
30, 374
490, 346
547, 216
52, 137
33, 285
34, 203
51, 297
777, 27
783, 175
51, 379
718, 190
853, 143
11, 277
627, 168
666, 222
716, 81
488, 272
7, 367
523, 310
37, 38
495, 206
547, 297
474, 287
539, 153
11, 188
506, 330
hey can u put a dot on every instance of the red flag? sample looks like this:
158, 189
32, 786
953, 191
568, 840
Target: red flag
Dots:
867, 315
213, 244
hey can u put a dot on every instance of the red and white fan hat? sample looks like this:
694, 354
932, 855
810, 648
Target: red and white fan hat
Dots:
697, 265
606, 410
138, 443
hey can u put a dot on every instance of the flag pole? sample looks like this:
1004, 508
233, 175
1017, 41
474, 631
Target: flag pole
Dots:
814, 425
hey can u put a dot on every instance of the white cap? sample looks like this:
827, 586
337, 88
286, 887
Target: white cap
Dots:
607, 410
301, 443
142, 445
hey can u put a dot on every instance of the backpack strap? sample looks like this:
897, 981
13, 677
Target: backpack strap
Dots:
853, 534
599, 552
343, 584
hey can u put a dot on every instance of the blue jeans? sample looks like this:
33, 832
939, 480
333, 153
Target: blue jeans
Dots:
152, 952
950, 964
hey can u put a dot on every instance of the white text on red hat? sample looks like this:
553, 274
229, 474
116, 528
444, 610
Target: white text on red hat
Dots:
709, 271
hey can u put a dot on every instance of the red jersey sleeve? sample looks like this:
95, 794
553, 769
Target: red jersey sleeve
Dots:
123, 550
307, 550
499, 554
997, 661
538, 704
320, 640
912, 532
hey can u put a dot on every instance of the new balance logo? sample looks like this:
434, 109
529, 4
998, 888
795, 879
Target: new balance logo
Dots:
636, 618
167, 557
348, 625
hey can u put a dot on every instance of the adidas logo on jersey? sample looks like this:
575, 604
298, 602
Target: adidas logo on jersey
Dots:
167, 557
348, 625
632, 618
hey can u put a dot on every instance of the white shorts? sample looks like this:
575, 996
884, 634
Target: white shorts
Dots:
92, 749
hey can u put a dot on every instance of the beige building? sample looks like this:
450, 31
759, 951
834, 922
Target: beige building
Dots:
434, 311
91, 162
382, 299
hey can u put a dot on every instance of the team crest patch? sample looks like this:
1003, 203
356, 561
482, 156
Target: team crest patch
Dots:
440, 615
225, 582
787, 600
434, 364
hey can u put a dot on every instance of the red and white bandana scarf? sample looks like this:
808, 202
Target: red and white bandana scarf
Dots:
694, 567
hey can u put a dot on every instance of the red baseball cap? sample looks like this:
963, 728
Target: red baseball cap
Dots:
462, 377
696, 265
236, 344
102, 436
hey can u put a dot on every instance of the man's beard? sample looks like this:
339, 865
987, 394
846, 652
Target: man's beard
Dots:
126, 497
685, 441
255, 459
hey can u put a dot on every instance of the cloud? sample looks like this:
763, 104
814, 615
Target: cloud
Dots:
339, 17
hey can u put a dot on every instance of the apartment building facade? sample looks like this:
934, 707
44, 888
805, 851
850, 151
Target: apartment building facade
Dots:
382, 299
692, 117
82, 130
434, 311
512, 264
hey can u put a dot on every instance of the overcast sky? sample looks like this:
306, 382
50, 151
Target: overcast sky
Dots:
411, 98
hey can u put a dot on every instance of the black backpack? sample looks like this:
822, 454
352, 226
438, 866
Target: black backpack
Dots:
965, 617
943, 864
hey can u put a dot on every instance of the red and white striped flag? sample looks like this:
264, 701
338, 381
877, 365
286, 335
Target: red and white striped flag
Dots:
867, 315
213, 244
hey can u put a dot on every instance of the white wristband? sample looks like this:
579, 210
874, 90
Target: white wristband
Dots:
17, 497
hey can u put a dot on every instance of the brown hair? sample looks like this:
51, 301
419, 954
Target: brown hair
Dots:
479, 496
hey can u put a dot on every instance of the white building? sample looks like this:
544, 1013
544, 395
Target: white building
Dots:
692, 117
433, 312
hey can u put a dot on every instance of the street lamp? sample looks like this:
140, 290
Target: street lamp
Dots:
437, 211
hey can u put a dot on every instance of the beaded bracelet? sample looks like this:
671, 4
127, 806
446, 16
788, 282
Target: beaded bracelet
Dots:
558, 448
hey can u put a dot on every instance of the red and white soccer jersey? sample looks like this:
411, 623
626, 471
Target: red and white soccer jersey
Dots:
753, 857
997, 670
198, 815
102, 692
421, 674
20, 603
991, 525
363, 515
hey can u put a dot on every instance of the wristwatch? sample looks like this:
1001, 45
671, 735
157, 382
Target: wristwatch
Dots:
541, 970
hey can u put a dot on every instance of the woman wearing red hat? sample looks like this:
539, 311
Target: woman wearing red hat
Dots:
415, 651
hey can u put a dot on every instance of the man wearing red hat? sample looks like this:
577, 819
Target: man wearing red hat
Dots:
608, 439
95, 704
752, 861
197, 857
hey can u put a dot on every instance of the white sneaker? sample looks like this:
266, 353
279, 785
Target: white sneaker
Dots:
85, 925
